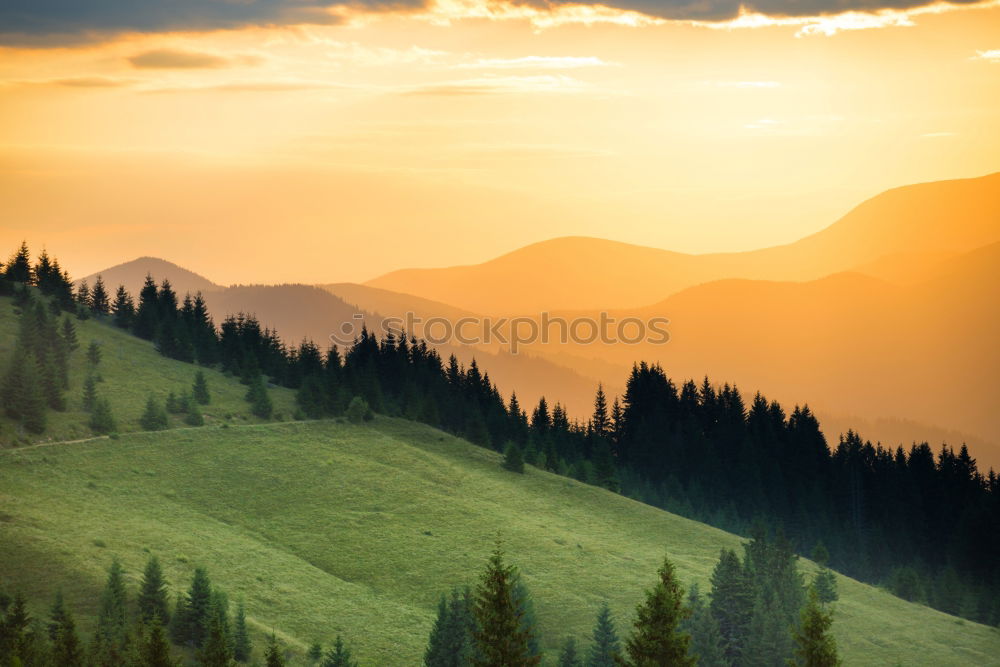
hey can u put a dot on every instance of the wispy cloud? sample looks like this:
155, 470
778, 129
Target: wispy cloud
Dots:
536, 62
178, 59
491, 85
744, 84
993, 55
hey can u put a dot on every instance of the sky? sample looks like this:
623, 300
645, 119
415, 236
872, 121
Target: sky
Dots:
303, 141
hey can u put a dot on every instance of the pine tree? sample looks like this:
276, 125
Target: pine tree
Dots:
816, 646
568, 656
242, 647
154, 648
13, 631
89, 393
600, 423
69, 335
216, 649
199, 389
153, 595
606, 646
110, 638
339, 655
513, 459
102, 421
193, 416
706, 639
656, 639
315, 653
57, 616
94, 353
500, 639
18, 268
260, 401
123, 308
825, 582
198, 608
732, 603
154, 417
147, 316
99, 301
22, 393
67, 649
272, 654
83, 295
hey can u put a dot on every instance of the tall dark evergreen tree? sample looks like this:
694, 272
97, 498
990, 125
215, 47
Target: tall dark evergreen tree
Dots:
199, 390
123, 308
273, 656
18, 268
568, 655
154, 416
100, 302
111, 636
816, 646
500, 639
657, 639
154, 647
605, 647
732, 603
339, 655
242, 648
153, 594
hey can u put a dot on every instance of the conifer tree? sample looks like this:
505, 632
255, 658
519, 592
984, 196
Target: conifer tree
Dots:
356, 410
57, 616
102, 421
123, 308
199, 390
100, 303
18, 268
154, 417
315, 652
94, 353
606, 646
154, 648
513, 459
67, 649
260, 401
22, 392
83, 295
153, 595
568, 656
216, 649
816, 646
110, 638
272, 654
89, 393
500, 639
339, 655
706, 639
69, 335
732, 603
242, 647
147, 318
600, 422
13, 631
824, 582
438, 652
198, 608
657, 639
193, 416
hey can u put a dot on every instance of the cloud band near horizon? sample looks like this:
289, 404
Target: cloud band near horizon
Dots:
56, 22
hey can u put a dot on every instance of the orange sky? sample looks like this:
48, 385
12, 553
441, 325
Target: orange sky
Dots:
322, 153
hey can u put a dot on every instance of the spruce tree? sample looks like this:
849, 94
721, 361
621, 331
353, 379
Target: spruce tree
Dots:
657, 639
260, 401
100, 304
154, 648
66, 648
57, 616
216, 649
706, 639
102, 421
315, 652
824, 582
154, 417
89, 393
22, 392
193, 416
438, 653
568, 656
513, 459
198, 608
83, 295
605, 647
94, 353
69, 335
500, 638
732, 603
110, 638
242, 647
816, 646
123, 308
153, 595
339, 655
199, 390
18, 268
272, 654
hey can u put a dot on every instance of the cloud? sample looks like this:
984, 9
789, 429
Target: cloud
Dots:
492, 85
536, 62
57, 22
174, 59
993, 55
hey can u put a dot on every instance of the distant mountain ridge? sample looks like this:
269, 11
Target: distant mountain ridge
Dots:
572, 273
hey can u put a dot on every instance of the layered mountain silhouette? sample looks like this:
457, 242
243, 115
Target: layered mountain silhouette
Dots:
910, 223
886, 321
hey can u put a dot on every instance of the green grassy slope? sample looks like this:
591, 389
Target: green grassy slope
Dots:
131, 370
329, 528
